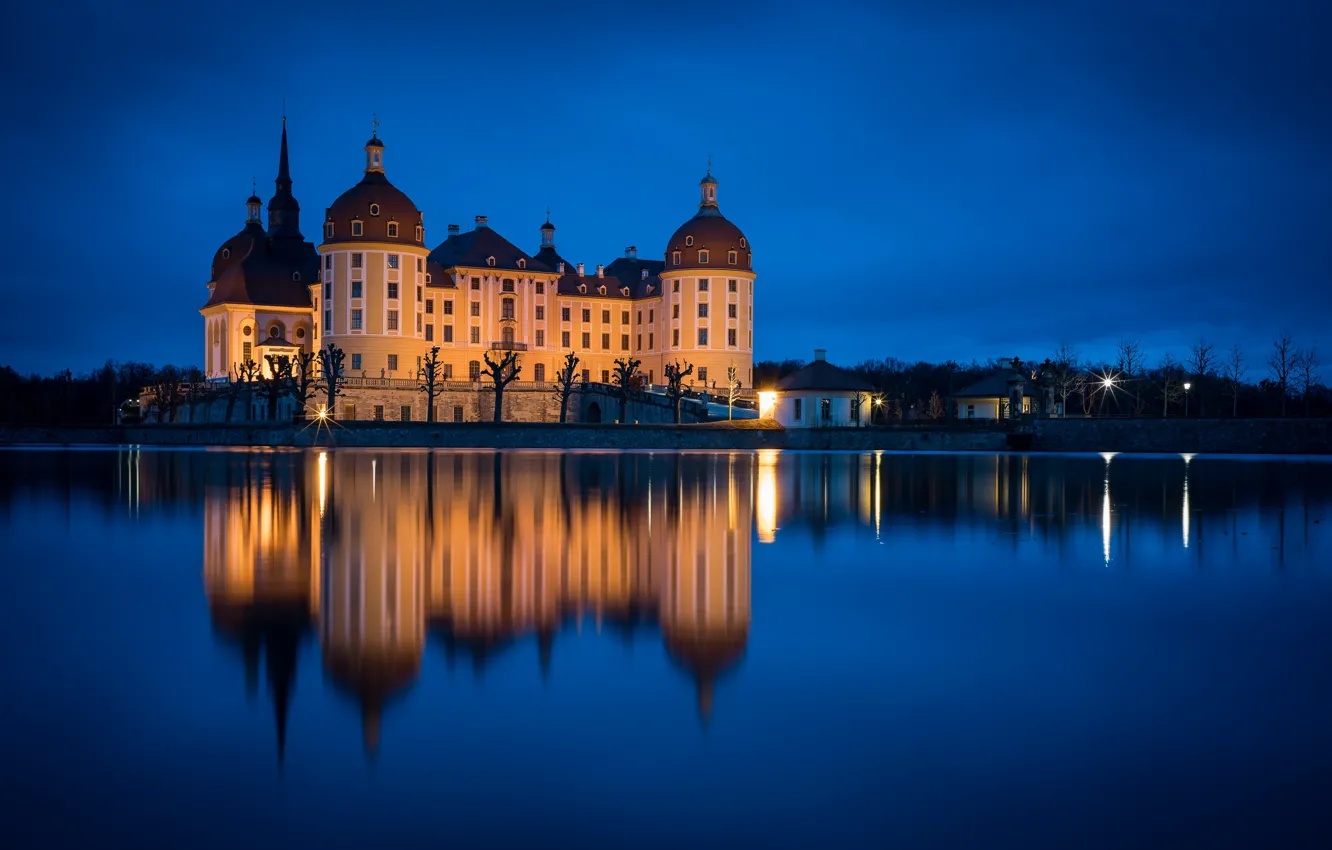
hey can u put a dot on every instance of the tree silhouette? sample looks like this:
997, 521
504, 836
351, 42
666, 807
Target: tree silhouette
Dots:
430, 377
564, 383
625, 369
305, 382
246, 374
1306, 373
331, 374
166, 391
1281, 365
732, 389
501, 372
276, 383
1129, 363
1233, 371
1170, 383
675, 376
1202, 365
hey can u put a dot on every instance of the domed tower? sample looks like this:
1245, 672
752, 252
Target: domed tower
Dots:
370, 300
259, 298
708, 294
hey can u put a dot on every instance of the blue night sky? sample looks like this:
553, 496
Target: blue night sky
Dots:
948, 178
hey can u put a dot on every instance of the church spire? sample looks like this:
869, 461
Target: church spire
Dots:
283, 211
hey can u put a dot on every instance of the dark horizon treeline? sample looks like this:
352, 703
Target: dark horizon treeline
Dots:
1290, 382
92, 398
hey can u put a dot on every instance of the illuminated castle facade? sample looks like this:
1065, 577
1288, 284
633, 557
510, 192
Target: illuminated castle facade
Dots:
373, 288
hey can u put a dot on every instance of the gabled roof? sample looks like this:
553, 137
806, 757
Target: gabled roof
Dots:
822, 375
991, 386
475, 247
278, 342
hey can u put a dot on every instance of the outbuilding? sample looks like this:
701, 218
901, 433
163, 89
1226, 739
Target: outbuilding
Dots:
820, 395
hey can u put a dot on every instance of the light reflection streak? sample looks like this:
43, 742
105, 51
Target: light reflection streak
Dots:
1184, 518
766, 512
323, 481
1105, 510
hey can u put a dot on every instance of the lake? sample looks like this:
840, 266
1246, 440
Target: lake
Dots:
253, 648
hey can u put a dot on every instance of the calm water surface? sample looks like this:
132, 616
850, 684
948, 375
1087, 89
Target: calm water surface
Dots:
368, 648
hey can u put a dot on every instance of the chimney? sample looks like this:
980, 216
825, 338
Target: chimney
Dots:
580, 269
453, 230
820, 354
481, 222
644, 274
601, 270
561, 267
631, 252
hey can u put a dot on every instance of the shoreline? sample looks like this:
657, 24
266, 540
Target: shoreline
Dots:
1142, 436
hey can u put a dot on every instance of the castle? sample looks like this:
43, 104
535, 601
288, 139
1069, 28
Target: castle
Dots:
374, 289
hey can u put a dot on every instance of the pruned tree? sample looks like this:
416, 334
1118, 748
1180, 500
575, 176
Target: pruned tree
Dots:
565, 379
936, 407
501, 372
621, 378
1202, 366
305, 379
1233, 372
1306, 373
166, 392
1281, 365
733, 386
1129, 362
196, 390
331, 374
243, 385
1170, 383
675, 389
430, 380
1066, 378
277, 383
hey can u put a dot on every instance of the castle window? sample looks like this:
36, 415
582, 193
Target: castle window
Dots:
356, 289
476, 336
539, 371
374, 209
474, 370
226, 253
246, 331
300, 333
601, 290
541, 339
730, 310
393, 320
476, 308
356, 261
541, 287
651, 316
587, 315
624, 342
703, 284
328, 321
730, 285
427, 278
582, 287
506, 308
675, 286
393, 230
730, 336
731, 257
522, 264
605, 317
419, 294
448, 333
624, 290
675, 337
702, 338
393, 291
296, 276
328, 230
274, 332
430, 305
540, 312
703, 311
675, 258
703, 374
564, 339
393, 362
490, 261
356, 361
448, 306
356, 320
328, 262
507, 286
742, 241
393, 261
675, 311
702, 256
689, 240
430, 333
356, 228
587, 340
420, 265
564, 314
476, 283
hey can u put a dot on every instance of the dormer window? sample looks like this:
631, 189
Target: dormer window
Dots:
420, 233
393, 230
731, 257
675, 258
689, 240
427, 279
582, 287
296, 276
356, 228
742, 242
328, 230
624, 291
490, 261
650, 289
226, 253
702, 256
522, 264
374, 209
601, 290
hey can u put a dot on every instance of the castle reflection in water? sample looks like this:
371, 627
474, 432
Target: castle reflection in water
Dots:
383, 557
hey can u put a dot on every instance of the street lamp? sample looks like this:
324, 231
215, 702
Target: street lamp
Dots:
1187, 387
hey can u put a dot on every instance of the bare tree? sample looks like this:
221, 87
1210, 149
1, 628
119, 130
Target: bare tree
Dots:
1067, 378
675, 377
1129, 362
936, 408
195, 391
276, 383
305, 382
1306, 373
1170, 383
1233, 372
622, 378
332, 375
501, 372
166, 392
1281, 365
247, 374
733, 386
1202, 365
565, 379
430, 380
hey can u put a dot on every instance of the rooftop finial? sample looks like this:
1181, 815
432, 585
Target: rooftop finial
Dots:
374, 116
709, 164
284, 109
254, 186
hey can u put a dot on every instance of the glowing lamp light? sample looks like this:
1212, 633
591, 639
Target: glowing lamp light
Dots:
767, 403
1187, 386
323, 412
1108, 383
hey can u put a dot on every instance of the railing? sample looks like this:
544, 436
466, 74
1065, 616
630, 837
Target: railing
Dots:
508, 346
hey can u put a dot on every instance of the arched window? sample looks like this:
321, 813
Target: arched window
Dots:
474, 370
490, 261
374, 209
539, 372
420, 233
427, 278
522, 264
296, 276
393, 230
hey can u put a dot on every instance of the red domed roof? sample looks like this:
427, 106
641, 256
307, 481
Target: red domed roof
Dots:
375, 202
709, 231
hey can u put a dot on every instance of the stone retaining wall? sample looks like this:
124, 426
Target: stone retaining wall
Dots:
1217, 436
